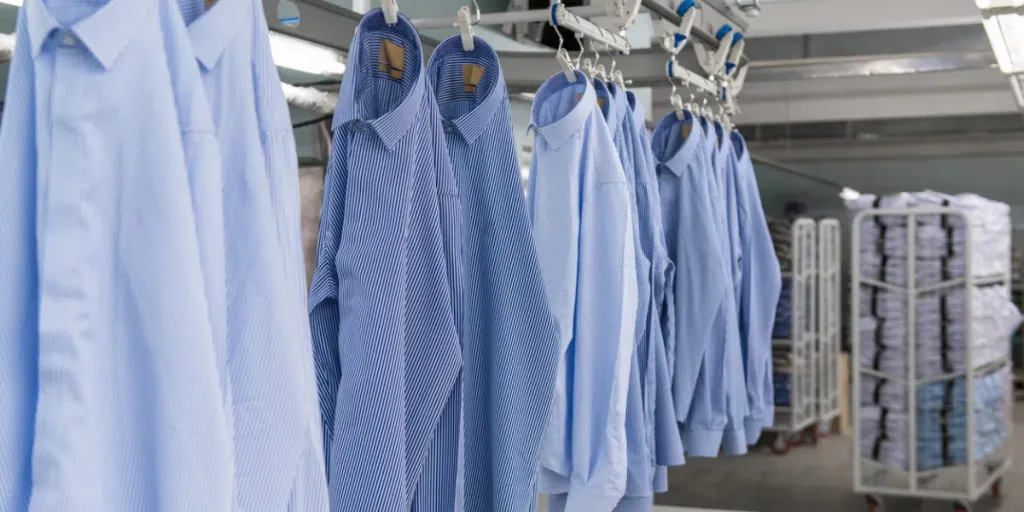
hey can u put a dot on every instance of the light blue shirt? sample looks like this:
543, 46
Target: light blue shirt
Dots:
639, 425
385, 305
112, 331
661, 406
759, 294
734, 440
278, 441
510, 339
690, 195
580, 206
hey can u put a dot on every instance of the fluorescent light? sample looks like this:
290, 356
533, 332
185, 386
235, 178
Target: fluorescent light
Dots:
1017, 84
849, 194
998, 4
1004, 24
16, 3
293, 53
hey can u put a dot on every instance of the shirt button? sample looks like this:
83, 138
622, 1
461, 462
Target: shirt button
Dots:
68, 40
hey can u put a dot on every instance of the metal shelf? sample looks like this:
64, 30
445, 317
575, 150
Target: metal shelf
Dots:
963, 483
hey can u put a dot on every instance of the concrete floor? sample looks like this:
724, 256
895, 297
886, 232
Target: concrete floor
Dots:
812, 479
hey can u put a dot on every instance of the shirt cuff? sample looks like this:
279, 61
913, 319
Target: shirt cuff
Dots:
702, 443
753, 427
595, 498
734, 441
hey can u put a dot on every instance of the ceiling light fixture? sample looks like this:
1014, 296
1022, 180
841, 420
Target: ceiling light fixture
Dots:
1017, 84
849, 194
16, 3
1004, 24
294, 53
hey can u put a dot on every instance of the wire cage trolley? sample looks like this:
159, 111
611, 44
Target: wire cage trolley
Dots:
794, 365
829, 324
929, 425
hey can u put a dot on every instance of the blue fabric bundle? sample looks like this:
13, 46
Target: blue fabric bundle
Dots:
784, 311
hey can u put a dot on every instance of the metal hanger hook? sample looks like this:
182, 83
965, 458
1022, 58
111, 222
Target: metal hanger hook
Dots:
479, 15
583, 48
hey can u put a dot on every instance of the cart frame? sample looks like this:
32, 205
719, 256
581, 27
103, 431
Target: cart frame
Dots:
981, 474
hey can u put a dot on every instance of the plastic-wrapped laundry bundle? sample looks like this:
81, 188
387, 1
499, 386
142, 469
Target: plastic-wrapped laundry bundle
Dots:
938, 237
783, 327
941, 423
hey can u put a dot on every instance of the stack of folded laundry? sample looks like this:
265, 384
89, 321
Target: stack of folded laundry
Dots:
941, 421
782, 239
953, 327
782, 376
783, 327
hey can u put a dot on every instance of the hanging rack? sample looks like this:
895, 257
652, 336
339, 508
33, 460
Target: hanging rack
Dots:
651, 6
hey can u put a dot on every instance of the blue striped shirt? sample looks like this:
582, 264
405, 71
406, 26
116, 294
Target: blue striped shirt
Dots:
385, 295
112, 330
690, 195
735, 409
278, 450
510, 340
580, 205
661, 407
639, 428
759, 294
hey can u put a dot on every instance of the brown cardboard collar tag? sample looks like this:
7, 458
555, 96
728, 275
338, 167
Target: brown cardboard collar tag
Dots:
687, 130
471, 75
209, 3
392, 59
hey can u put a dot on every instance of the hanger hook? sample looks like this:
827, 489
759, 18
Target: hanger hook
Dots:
479, 15
583, 48
561, 40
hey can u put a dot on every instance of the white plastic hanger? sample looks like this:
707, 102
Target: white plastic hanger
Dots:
620, 80
390, 9
714, 62
674, 99
676, 37
465, 22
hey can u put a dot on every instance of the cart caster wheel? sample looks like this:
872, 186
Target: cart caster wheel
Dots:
961, 507
781, 445
997, 488
824, 429
875, 504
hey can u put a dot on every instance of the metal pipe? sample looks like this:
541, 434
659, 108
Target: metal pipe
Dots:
653, 6
796, 172
666, 13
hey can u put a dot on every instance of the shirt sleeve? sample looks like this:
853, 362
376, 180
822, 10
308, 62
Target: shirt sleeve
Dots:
602, 348
19, 319
759, 297
699, 284
324, 316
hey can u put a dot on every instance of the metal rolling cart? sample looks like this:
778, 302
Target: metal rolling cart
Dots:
796, 407
980, 472
829, 324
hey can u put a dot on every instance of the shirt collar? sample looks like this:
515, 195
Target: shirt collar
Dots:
638, 111
558, 132
670, 128
393, 125
473, 123
619, 102
106, 32
608, 105
216, 28
739, 145
724, 147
